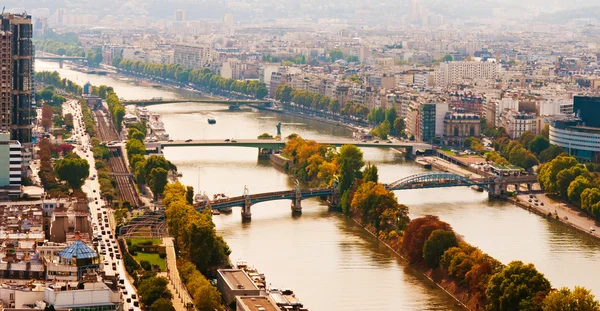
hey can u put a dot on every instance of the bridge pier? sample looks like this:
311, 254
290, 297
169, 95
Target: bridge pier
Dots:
297, 202
60, 63
246, 209
334, 198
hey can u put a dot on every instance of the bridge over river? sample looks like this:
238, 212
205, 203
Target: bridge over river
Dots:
494, 185
274, 144
231, 102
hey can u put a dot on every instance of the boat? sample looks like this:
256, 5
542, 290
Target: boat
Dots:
219, 197
156, 86
477, 188
212, 121
235, 108
215, 212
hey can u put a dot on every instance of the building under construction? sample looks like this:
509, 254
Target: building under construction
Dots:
20, 29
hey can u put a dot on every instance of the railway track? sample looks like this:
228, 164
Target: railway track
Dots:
125, 183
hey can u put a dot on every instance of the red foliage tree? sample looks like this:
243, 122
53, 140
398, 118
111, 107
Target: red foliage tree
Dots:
417, 233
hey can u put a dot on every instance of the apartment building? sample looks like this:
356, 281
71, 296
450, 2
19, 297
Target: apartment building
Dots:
10, 166
6, 83
516, 123
454, 73
233, 68
191, 56
431, 121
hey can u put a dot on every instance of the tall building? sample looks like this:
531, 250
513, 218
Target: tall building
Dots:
228, 20
431, 121
191, 56
20, 27
453, 73
588, 109
6, 80
180, 15
10, 166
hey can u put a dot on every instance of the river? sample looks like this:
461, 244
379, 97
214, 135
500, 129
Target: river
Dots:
331, 263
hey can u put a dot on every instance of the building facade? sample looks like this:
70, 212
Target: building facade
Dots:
582, 142
431, 121
453, 73
459, 125
10, 166
191, 56
20, 27
516, 123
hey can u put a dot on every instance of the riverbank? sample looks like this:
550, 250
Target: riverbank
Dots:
416, 268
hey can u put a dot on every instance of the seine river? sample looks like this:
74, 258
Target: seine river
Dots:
328, 261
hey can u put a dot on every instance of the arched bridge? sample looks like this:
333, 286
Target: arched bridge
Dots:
439, 180
417, 181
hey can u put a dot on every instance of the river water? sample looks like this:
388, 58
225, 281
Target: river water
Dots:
331, 263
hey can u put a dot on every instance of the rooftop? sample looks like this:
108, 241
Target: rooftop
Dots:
257, 303
238, 279
79, 250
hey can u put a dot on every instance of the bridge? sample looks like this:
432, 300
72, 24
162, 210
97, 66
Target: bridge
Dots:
274, 144
61, 59
232, 102
493, 185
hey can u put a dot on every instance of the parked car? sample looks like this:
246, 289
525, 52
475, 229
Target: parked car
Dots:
188, 140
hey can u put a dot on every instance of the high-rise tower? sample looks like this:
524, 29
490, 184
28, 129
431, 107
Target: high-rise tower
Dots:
21, 30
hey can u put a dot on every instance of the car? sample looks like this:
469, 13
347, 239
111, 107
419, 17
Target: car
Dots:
234, 141
125, 292
95, 189
530, 200
536, 204
531, 196
592, 229
136, 303
188, 140
134, 296
118, 256
376, 142
364, 140
389, 141
542, 203
128, 300
170, 140
122, 281
227, 140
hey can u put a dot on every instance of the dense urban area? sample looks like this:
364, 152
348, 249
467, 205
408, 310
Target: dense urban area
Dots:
441, 159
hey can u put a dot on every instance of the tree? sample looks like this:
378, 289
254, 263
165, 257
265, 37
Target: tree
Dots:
590, 201
517, 287
73, 170
370, 173
153, 289
538, 144
336, 54
135, 134
384, 129
551, 153
580, 299
134, 147
162, 304
158, 181
576, 188
146, 265
399, 126
371, 201
438, 242
189, 194
417, 233
350, 160
568, 175
549, 171
447, 58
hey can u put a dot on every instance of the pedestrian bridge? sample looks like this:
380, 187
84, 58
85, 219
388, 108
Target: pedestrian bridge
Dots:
417, 181
60, 58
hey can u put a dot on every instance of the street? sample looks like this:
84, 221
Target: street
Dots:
104, 226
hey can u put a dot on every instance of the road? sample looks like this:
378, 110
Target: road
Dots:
101, 226
565, 214
444, 165
179, 291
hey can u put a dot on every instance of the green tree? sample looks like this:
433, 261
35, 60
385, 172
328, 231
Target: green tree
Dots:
189, 194
158, 181
379, 208
146, 265
72, 170
370, 173
538, 144
549, 171
576, 187
134, 147
590, 201
153, 289
517, 287
384, 129
350, 160
135, 134
399, 126
551, 153
438, 242
568, 175
336, 54
162, 304
447, 58
580, 299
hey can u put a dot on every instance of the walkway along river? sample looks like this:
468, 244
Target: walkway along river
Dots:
331, 263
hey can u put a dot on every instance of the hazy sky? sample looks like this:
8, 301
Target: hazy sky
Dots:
355, 9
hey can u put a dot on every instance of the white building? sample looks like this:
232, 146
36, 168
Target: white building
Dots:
452, 73
503, 105
516, 123
232, 69
191, 56
555, 106
11, 165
